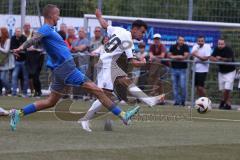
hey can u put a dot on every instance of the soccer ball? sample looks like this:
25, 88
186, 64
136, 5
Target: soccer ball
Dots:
203, 104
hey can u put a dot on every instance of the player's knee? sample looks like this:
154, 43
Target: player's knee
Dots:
124, 81
98, 90
92, 87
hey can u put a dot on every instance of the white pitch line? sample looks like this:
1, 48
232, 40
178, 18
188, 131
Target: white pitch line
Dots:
75, 112
201, 118
217, 119
62, 112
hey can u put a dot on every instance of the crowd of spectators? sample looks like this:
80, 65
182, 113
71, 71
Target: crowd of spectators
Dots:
21, 72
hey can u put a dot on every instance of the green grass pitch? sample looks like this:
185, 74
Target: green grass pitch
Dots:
161, 133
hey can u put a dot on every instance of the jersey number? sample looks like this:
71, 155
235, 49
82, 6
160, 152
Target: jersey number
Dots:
112, 44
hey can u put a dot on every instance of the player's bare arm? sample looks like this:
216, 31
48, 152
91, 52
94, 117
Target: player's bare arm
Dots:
34, 40
101, 20
137, 62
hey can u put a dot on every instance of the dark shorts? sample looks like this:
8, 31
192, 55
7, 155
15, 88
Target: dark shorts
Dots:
200, 79
67, 75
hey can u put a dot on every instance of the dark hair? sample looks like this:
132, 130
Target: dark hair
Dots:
62, 34
139, 23
221, 39
201, 36
141, 45
4, 37
47, 10
180, 36
102, 41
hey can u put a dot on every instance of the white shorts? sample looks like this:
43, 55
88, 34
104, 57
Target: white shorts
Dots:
104, 79
107, 76
226, 80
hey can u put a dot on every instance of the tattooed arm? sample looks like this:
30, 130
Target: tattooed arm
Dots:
34, 40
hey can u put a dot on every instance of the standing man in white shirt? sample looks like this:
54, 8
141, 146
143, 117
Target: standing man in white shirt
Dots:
201, 53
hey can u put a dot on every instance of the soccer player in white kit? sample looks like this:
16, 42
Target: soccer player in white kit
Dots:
120, 42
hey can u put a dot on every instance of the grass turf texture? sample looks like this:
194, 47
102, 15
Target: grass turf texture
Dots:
42, 136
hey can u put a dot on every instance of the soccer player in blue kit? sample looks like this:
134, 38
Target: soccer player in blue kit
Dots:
65, 72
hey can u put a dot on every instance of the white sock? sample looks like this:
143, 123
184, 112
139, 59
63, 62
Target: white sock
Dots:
138, 93
96, 106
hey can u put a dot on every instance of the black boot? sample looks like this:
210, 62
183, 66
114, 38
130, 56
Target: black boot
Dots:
221, 105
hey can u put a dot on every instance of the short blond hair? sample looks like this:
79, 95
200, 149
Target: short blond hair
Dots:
47, 10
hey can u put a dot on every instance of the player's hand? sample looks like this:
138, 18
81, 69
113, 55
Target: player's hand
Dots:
19, 49
98, 13
94, 54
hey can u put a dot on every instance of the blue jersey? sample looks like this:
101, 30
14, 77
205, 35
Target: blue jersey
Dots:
54, 45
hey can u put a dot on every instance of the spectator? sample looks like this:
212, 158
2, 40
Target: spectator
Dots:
71, 35
81, 45
35, 60
20, 63
27, 32
63, 28
226, 73
95, 43
156, 53
7, 60
63, 35
179, 52
201, 53
139, 55
100, 49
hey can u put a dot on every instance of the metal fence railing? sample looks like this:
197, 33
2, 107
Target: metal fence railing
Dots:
211, 84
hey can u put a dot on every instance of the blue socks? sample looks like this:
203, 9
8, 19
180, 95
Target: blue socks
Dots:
116, 110
31, 108
28, 109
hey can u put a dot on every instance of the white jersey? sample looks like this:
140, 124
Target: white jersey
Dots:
120, 42
205, 50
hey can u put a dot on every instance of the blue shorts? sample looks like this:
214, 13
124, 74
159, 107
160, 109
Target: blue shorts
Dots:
67, 75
